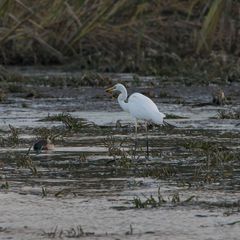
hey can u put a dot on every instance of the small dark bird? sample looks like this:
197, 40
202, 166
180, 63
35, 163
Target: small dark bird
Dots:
43, 144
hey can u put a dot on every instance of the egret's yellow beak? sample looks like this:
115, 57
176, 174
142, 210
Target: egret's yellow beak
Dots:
110, 90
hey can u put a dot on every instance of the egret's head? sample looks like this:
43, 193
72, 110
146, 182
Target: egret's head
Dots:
118, 87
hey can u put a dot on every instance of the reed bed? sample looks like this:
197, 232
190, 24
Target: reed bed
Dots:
116, 35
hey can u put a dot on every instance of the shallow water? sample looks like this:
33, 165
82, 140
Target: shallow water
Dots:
79, 183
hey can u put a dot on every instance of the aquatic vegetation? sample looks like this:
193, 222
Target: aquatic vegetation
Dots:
218, 97
229, 114
53, 133
216, 166
12, 139
44, 192
89, 78
114, 147
149, 202
154, 202
174, 116
73, 232
130, 232
25, 161
123, 158
2, 95
159, 172
70, 122
4, 185
200, 145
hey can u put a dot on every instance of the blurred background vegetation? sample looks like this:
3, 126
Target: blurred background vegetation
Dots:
150, 37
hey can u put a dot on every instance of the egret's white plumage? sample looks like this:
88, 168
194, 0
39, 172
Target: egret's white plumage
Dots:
138, 105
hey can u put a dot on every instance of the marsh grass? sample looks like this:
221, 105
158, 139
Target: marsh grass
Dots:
200, 145
155, 202
12, 140
44, 192
25, 161
116, 35
71, 123
124, 153
5, 185
160, 172
228, 114
3, 96
174, 116
216, 166
54, 133
73, 232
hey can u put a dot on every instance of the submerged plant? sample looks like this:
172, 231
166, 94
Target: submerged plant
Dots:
25, 161
14, 135
50, 133
4, 185
159, 172
70, 122
12, 139
215, 166
73, 232
229, 114
154, 202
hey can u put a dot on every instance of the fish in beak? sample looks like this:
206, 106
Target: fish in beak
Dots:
110, 90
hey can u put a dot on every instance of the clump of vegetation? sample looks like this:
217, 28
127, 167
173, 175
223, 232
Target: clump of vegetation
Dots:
49, 133
14, 135
70, 122
44, 192
229, 114
218, 97
5, 186
159, 172
216, 165
199, 145
5, 75
73, 232
25, 161
121, 157
94, 79
158, 201
2, 95
174, 116
12, 139
53, 32
114, 147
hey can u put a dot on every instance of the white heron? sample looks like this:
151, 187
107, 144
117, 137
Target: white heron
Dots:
139, 106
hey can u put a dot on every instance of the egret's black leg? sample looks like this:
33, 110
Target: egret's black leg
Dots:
136, 140
147, 139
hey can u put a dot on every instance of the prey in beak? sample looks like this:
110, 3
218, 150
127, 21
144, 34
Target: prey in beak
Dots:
110, 90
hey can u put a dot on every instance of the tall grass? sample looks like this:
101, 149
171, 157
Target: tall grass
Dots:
113, 35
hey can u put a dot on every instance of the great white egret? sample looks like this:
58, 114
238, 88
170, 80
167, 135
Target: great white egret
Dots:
139, 106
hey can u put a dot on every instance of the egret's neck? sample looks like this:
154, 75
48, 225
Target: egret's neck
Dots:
122, 99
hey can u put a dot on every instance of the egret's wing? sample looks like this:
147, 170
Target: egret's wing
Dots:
142, 107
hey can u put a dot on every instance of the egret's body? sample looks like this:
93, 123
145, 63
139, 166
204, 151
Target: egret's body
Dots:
138, 105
